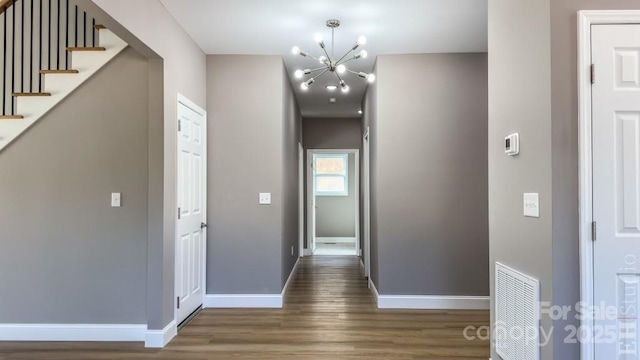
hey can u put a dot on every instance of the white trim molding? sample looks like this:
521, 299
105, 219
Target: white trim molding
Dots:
433, 302
243, 301
337, 240
373, 289
259, 301
160, 338
293, 273
72, 332
586, 19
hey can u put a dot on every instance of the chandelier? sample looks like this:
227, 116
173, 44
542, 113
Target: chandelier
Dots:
329, 62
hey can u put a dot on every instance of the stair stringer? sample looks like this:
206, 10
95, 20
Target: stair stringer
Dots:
60, 86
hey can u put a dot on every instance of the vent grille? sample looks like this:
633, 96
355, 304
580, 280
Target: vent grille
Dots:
517, 328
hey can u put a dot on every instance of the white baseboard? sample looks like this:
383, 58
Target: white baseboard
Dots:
361, 264
374, 291
160, 338
243, 301
259, 301
337, 240
291, 275
433, 302
72, 332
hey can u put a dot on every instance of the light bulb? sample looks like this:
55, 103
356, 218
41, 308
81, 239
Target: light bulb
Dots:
345, 89
299, 74
322, 59
295, 50
362, 40
360, 112
318, 38
364, 54
371, 78
304, 86
341, 68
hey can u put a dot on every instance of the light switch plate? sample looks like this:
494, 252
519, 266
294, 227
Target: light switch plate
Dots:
265, 198
116, 199
531, 205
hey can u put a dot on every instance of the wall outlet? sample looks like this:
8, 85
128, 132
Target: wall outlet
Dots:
116, 199
531, 205
265, 198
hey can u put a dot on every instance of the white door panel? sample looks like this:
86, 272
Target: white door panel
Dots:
616, 188
191, 193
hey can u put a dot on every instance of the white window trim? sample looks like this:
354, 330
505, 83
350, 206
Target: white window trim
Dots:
345, 176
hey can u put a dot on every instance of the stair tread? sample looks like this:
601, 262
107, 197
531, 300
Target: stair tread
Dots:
11, 117
32, 94
59, 71
94, 48
100, 27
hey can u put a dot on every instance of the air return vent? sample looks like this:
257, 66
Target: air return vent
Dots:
517, 315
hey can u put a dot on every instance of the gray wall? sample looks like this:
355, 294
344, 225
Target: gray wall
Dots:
430, 174
291, 137
370, 121
519, 35
329, 133
73, 258
336, 215
178, 66
252, 149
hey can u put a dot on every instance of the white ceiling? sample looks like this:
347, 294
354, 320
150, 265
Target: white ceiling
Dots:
273, 27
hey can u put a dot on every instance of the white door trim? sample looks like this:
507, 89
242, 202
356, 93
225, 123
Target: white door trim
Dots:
311, 209
301, 200
188, 103
366, 183
586, 19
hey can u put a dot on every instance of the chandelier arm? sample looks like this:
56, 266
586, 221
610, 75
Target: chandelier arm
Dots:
316, 69
339, 77
346, 61
325, 52
322, 73
353, 72
344, 56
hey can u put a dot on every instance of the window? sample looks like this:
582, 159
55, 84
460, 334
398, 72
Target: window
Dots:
331, 174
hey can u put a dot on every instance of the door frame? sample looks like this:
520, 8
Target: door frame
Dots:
366, 204
311, 213
193, 106
301, 200
586, 19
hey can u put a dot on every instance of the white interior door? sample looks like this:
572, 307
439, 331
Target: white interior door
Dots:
314, 205
366, 178
616, 188
191, 240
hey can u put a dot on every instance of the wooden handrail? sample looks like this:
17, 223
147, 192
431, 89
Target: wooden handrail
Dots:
5, 4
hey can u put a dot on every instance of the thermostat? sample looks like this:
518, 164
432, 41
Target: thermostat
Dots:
512, 144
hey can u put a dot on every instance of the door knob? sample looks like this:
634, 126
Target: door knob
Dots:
203, 225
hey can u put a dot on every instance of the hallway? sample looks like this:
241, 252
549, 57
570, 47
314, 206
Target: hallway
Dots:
329, 313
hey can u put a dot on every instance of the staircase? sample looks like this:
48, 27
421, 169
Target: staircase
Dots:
50, 48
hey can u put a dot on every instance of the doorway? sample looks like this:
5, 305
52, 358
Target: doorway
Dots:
191, 225
333, 193
610, 181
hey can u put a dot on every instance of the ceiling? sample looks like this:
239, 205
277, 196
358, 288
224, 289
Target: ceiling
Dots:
273, 27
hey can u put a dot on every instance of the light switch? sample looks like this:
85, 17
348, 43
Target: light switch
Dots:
531, 205
115, 199
265, 198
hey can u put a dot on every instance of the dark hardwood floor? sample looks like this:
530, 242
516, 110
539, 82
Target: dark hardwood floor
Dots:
329, 313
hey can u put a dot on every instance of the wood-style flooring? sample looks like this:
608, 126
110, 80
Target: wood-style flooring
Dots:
329, 313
